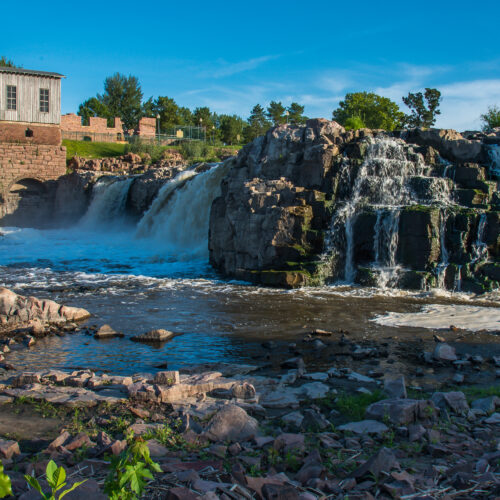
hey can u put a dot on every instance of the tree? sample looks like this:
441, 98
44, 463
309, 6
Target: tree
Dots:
373, 110
354, 123
257, 124
423, 114
296, 114
231, 128
94, 107
276, 113
6, 63
491, 119
202, 117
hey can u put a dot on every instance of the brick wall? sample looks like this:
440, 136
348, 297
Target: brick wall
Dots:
147, 127
42, 134
28, 161
97, 130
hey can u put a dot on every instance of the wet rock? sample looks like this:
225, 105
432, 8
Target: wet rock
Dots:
231, 423
444, 352
106, 332
158, 335
365, 427
395, 388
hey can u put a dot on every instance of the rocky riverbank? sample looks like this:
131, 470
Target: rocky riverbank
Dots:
234, 433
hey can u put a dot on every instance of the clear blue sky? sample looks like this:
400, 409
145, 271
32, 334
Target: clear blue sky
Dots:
232, 55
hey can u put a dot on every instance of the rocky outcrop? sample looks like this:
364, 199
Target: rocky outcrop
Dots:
18, 309
412, 209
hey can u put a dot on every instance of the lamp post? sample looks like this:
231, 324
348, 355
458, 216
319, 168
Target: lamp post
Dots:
158, 126
213, 134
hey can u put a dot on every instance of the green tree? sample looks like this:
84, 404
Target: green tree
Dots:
354, 123
423, 114
491, 119
94, 107
231, 128
6, 63
257, 124
276, 113
373, 110
123, 96
202, 117
296, 114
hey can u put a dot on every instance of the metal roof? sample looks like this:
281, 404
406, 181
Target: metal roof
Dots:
22, 71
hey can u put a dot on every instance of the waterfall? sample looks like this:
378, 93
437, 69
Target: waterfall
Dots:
443, 264
178, 219
392, 175
494, 153
107, 206
457, 286
479, 247
385, 245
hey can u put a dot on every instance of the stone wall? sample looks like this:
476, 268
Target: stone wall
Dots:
147, 127
30, 133
97, 130
27, 175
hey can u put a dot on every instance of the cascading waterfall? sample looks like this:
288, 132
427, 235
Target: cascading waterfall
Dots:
178, 220
391, 176
443, 264
479, 247
457, 286
107, 207
494, 153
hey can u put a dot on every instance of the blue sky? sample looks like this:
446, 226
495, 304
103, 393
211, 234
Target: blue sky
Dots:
230, 56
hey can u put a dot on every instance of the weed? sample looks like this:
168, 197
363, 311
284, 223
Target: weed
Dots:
5, 484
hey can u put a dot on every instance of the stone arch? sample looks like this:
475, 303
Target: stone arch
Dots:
28, 185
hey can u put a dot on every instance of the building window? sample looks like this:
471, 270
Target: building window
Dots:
11, 97
44, 100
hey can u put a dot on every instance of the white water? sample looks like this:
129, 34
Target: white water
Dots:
494, 153
443, 264
107, 207
384, 181
472, 318
479, 248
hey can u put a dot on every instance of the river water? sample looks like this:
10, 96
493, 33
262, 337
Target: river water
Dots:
155, 274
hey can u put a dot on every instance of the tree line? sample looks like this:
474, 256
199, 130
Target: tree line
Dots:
123, 97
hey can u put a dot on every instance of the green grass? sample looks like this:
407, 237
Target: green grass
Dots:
93, 149
354, 406
473, 393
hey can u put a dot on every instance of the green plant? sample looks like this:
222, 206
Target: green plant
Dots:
130, 471
5, 484
194, 149
56, 477
354, 406
491, 119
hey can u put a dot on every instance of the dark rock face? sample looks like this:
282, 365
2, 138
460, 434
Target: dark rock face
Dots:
412, 209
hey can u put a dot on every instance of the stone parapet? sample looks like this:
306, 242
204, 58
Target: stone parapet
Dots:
30, 133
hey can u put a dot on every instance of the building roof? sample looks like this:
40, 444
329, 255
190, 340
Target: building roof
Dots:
22, 71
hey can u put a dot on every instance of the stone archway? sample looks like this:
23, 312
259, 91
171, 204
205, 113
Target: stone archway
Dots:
27, 203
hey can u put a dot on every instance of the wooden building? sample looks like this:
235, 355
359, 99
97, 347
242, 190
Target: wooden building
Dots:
30, 106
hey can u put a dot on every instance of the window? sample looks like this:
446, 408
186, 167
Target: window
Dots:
11, 97
44, 100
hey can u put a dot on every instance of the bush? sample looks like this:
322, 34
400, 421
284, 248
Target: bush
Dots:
354, 123
155, 151
491, 119
194, 149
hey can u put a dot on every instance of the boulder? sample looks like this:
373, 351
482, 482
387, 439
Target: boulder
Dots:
444, 352
158, 335
401, 411
166, 378
364, 427
231, 423
395, 387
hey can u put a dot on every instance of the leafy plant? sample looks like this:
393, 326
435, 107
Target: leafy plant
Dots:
423, 114
56, 477
130, 472
491, 119
5, 484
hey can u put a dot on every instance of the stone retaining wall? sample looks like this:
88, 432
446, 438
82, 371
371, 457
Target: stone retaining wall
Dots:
30, 133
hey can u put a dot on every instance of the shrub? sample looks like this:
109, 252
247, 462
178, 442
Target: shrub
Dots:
354, 123
194, 149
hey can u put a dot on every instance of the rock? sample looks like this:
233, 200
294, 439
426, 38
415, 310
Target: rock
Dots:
401, 411
357, 377
28, 341
180, 493
314, 421
314, 390
105, 332
158, 335
231, 423
383, 461
279, 492
395, 387
166, 378
8, 449
458, 378
80, 440
444, 352
19, 309
243, 391
117, 447
289, 442
364, 427
493, 419
59, 440
416, 432
293, 419
456, 401
282, 398
319, 376
487, 405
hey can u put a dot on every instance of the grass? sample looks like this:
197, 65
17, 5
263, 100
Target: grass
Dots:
473, 393
354, 406
93, 149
